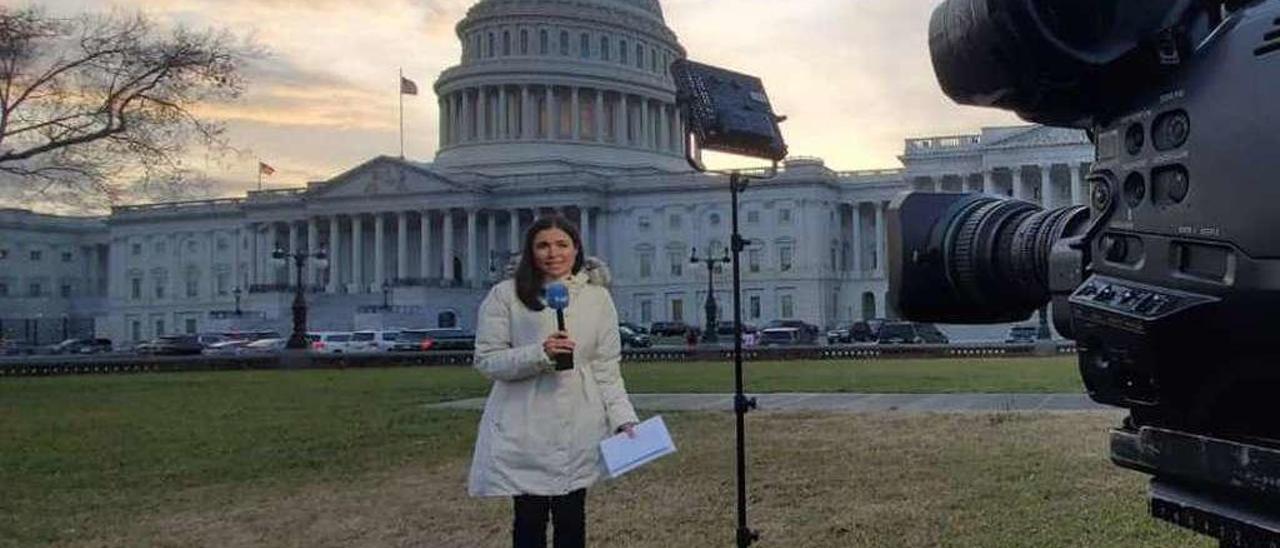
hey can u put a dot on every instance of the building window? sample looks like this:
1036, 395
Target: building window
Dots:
36, 255
66, 256
646, 265
192, 246
222, 244
222, 280
193, 286
753, 260
160, 288
639, 56
4, 290
677, 310
643, 222
653, 59
714, 219
674, 221
65, 291
135, 250
833, 255
506, 42
753, 307
584, 46
622, 51
677, 263
135, 329
4, 253
646, 312
159, 327
544, 43
493, 48
564, 43
161, 248
34, 290
476, 52
189, 325
524, 42
135, 289
784, 216
788, 307
604, 48
784, 257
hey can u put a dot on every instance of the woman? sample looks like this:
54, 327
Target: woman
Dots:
540, 434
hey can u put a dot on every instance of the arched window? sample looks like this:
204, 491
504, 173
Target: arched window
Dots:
639, 56
622, 51
524, 41
653, 59
868, 305
604, 48
506, 42
564, 42
447, 319
584, 46
544, 43
475, 46
492, 48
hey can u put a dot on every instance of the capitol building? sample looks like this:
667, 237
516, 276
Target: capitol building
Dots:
555, 106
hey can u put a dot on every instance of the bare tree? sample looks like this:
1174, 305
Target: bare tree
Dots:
95, 106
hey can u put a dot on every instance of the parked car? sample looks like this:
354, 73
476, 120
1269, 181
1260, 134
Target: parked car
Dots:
172, 345
265, 346
336, 342
859, 331
226, 348
635, 328
251, 335
807, 332
18, 348
1023, 334
910, 333
81, 346
781, 336
373, 340
421, 340
668, 329
631, 339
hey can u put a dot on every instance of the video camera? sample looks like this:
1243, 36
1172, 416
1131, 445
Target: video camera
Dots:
1169, 279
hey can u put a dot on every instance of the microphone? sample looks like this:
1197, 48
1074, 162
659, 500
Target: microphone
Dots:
558, 300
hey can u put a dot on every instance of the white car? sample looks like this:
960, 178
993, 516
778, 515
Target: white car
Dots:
225, 348
265, 346
371, 340
336, 342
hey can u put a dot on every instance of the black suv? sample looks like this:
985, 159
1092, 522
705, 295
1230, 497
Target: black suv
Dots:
81, 346
910, 333
631, 339
668, 329
859, 331
421, 340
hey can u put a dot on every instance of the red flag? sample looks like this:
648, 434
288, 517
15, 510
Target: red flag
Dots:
264, 169
408, 87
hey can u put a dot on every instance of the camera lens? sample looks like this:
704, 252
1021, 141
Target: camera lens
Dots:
997, 251
1171, 130
1134, 139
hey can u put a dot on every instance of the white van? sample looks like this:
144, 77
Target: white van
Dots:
335, 342
373, 340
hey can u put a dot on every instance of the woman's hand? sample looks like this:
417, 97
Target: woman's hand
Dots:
558, 344
629, 428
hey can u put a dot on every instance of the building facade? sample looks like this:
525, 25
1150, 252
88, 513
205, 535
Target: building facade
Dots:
556, 106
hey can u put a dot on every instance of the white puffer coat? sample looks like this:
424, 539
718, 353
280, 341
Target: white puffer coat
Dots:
541, 428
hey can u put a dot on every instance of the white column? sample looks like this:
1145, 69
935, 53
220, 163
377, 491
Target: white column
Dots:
424, 244
468, 119
492, 236
295, 236
277, 234
644, 123
586, 230
857, 240
456, 121
575, 117
513, 240
881, 241
1048, 197
313, 245
469, 269
504, 125
599, 117
1077, 190
379, 250
443, 123
526, 125
446, 256
602, 235
622, 130
989, 182
357, 252
665, 128
553, 114
482, 115
402, 245
335, 254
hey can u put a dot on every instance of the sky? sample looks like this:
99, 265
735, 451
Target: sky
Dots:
852, 76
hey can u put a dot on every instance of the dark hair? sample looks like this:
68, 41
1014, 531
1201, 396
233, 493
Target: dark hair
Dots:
528, 279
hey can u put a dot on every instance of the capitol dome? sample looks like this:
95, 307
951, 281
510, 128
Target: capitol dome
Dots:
548, 81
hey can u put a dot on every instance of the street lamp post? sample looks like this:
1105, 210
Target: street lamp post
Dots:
709, 334
237, 293
386, 295
298, 339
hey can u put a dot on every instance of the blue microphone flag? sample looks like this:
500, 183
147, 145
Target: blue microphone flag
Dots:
557, 296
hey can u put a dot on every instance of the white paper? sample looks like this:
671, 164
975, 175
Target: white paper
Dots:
623, 454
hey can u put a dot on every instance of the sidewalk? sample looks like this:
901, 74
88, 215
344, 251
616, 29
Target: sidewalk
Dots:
917, 403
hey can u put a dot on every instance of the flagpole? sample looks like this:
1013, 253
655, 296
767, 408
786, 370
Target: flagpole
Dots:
259, 174
400, 89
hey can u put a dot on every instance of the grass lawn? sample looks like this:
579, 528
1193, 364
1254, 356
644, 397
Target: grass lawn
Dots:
338, 458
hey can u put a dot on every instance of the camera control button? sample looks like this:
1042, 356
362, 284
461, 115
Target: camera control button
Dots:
1106, 294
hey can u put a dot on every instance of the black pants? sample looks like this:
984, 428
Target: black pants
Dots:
568, 518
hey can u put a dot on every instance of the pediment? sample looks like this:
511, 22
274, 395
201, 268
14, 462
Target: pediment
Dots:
387, 177
1039, 136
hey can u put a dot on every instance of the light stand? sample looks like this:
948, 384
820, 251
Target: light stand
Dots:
730, 112
709, 334
237, 292
386, 295
298, 339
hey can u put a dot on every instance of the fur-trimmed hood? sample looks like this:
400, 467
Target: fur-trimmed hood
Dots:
596, 270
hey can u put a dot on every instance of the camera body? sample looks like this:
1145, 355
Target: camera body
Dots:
1169, 279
